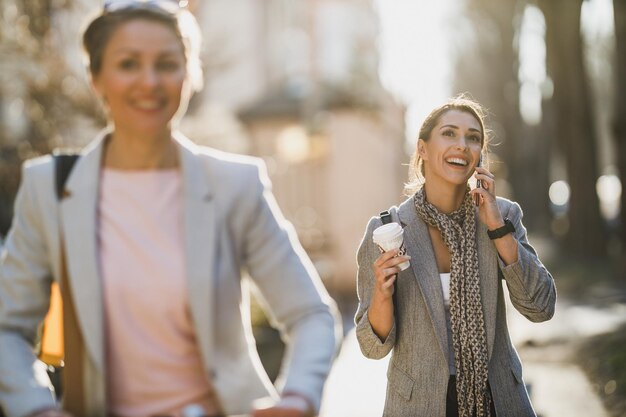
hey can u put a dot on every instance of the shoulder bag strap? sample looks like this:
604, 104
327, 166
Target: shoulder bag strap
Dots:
72, 376
63, 164
51, 345
73, 387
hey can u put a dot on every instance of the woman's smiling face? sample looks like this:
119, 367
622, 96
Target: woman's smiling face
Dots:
142, 76
453, 149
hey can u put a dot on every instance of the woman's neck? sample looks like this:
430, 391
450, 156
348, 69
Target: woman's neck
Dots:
137, 152
445, 197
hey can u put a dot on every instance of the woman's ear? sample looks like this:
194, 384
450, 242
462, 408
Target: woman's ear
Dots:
421, 149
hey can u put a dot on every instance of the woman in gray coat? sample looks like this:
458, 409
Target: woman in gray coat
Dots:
444, 317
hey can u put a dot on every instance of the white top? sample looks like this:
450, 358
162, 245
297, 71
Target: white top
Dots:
445, 286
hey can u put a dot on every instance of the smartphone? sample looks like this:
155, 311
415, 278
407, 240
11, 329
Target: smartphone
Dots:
479, 183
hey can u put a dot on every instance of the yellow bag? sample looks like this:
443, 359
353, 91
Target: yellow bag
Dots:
51, 350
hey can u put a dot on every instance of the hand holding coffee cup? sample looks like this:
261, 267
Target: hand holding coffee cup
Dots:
388, 237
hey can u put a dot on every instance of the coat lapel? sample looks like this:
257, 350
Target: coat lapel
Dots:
78, 231
200, 243
423, 263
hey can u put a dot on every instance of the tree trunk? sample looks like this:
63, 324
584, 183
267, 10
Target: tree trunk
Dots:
619, 118
575, 133
492, 77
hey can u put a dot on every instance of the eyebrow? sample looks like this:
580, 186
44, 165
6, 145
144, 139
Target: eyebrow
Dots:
456, 127
130, 51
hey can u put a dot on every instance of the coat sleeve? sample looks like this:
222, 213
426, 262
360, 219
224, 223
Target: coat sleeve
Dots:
370, 344
25, 280
292, 291
531, 286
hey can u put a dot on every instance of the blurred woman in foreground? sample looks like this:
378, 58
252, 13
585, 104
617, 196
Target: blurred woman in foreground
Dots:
155, 233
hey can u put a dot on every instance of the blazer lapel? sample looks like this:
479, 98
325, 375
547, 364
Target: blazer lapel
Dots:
419, 247
490, 281
78, 233
200, 238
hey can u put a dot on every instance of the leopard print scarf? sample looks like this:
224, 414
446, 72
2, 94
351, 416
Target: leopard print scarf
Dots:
458, 230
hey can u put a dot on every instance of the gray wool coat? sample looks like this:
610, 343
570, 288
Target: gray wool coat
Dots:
418, 370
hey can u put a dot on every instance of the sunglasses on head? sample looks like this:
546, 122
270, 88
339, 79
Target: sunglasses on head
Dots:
169, 6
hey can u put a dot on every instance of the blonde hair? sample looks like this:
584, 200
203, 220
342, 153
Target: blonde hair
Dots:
462, 103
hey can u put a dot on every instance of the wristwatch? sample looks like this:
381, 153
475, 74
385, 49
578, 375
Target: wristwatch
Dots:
501, 231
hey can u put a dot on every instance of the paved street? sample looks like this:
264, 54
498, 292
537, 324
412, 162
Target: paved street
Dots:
356, 386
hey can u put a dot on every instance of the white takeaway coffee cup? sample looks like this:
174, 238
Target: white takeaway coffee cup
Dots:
391, 236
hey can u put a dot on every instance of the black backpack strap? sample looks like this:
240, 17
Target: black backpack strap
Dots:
385, 216
63, 164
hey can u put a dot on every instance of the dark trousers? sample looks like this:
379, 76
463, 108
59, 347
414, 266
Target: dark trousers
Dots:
452, 408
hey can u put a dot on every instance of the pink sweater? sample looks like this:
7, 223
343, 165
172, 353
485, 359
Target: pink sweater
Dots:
153, 365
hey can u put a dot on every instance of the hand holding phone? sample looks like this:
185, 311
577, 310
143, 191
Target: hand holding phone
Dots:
479, 183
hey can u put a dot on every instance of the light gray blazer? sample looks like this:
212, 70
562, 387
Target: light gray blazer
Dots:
418, 370
231, 223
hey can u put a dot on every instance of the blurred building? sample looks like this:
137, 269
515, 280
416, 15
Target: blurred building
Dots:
292, 81
302, 77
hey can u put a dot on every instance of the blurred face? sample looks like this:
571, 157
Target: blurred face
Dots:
453, 149
142, 77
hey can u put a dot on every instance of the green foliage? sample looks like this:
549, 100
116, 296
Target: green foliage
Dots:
603, 357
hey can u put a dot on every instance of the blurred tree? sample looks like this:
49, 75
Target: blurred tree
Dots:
619, 122
574, 133
488, 68
38, 93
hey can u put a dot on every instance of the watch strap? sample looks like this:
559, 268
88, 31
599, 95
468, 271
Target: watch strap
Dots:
501, 231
